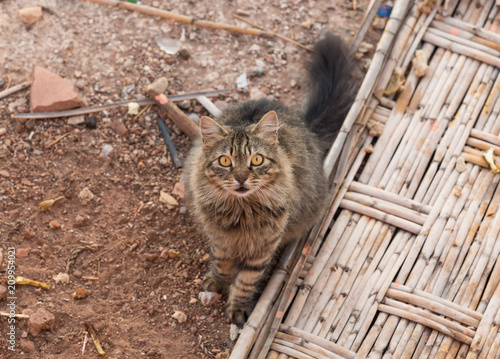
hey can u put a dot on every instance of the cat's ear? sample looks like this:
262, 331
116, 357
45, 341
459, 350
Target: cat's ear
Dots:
268, 127
210, 130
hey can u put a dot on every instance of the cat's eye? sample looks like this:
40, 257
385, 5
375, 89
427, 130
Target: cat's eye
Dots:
224, 161
257, 160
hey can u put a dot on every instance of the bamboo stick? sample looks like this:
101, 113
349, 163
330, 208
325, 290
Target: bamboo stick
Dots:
180, 18
424, 321
291, 351
431, 305
486, 137
474, 29
396, 221
462, 40
390, 197
364, 91
386, 207
473, 52
334, 348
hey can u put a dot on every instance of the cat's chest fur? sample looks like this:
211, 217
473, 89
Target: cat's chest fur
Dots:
240, 225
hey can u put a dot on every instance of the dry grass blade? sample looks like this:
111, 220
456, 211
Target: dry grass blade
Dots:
93, 335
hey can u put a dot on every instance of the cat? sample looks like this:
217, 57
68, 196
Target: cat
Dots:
255, 181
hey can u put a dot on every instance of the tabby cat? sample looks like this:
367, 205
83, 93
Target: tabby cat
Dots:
255, 180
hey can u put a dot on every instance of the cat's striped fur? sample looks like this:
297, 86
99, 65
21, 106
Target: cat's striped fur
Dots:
255, 178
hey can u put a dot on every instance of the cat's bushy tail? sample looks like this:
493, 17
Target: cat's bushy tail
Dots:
332, 88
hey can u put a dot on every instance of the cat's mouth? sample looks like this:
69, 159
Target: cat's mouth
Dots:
242, 189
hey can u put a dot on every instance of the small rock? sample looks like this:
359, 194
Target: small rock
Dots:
81, 293
193, 330
169, 253
41, 320
152, 257
106, 149
184, 54
50, 92
308, 24
256, 94
365, 47
3, 292
61, 278
30, 15
379, 23
133, 108
80, 221
193, 300
178, 190
206, 257
4, 173
242, 82
22, 252
169, 201
90, 122
85, 194
164, 162
27, 346
3, 131
54, 224
242, 13
179, 316
151, 353
375, 128
223, 355
76, 120
119, 128
208, 298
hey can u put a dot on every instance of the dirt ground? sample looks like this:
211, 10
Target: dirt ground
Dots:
113, 238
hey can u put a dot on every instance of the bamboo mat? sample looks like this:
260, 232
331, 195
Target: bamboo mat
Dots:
405, 263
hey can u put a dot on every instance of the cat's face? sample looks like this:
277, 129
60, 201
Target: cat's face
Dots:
241, 162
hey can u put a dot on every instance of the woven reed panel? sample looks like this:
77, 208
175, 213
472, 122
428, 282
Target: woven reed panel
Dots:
406, 262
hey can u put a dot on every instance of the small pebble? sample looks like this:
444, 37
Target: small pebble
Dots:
22, 252
27, 346
3, 131
152, 257
54, 224
81, 293
179, 316
80, 221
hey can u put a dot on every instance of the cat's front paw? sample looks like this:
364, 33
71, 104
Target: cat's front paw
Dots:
211, 284
238, 313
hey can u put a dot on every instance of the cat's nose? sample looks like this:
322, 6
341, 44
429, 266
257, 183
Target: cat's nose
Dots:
241, 178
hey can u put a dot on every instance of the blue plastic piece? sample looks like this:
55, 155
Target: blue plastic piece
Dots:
384, 11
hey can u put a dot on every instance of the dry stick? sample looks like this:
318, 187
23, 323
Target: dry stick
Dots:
83, 111
367, 21
302, 349
462, 49
180, 18
156, 92
93, 335
464, 41
58, 139
209, 106
476, 30
273, 33
450, 29
366, 88
14, 89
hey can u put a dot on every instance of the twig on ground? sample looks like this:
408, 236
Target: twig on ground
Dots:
84, 343
7, 314
25, 281
275, 34
58, 139
156, 91
181, 18
93, 335
84, 111
13, 89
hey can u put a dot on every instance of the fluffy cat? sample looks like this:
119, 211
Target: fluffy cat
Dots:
255, 179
